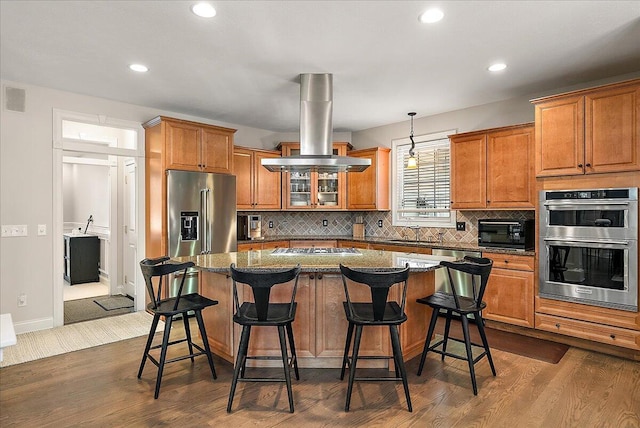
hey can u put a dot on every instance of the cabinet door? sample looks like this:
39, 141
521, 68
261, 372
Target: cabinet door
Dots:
216, 151
332, 323
218, 319
242, 169
182, 146
311, 190
264, 340
266, 184
468, 172
509, 297
369, 189
612, 130
510, 177
559, 137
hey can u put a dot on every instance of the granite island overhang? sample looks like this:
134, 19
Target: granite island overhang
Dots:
318, 261
320, 327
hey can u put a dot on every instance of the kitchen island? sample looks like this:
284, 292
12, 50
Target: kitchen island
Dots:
320, 327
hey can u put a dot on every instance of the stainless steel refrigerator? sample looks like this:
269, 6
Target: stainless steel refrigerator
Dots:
201, 216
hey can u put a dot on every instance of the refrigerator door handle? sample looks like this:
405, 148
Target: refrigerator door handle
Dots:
204, 208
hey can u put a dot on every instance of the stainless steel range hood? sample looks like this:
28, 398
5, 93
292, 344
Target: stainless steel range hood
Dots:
316, 132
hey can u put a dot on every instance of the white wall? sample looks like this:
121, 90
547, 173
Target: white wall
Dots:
26, 171
86, 192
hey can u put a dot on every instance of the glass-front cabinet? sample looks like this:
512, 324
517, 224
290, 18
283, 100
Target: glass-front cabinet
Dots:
313, 190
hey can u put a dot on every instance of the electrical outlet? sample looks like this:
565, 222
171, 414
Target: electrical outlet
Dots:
42, 229
270, 224
379, 223
461, 225
22, 299
325, 223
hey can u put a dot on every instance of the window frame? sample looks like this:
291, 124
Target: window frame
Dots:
397, 219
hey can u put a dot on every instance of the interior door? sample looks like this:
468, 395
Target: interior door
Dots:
130, 249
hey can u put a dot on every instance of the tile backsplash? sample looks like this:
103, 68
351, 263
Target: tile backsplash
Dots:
303, 223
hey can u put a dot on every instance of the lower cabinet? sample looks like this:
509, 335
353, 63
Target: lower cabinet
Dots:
510, 290
81, 259
320, 327
260, 245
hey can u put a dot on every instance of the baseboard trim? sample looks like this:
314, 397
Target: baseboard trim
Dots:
33, 325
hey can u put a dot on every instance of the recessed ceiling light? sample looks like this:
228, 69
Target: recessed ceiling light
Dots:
139, 68
431, 16
497, 66
204, 10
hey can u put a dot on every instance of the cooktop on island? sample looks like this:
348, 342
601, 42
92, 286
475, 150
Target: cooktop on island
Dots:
315, 251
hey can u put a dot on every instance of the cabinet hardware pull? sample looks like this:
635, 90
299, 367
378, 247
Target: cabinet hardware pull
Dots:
319, 276
506, 261
558, 325
613, 336
589, 165
579, 165
311, 276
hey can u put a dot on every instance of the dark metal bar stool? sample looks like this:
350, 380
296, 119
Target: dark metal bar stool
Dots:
378, 312
261, 312
168, 308
461, 306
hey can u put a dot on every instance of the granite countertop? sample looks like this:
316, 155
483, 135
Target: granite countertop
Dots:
365, 259
447, 245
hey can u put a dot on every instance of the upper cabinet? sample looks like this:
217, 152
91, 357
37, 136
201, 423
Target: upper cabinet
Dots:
312, 190
589, 131
493, 169
191, 146
257, 188
369, 189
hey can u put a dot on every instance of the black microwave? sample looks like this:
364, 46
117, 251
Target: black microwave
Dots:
512, 234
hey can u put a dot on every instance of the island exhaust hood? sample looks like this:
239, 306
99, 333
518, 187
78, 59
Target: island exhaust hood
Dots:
316, 133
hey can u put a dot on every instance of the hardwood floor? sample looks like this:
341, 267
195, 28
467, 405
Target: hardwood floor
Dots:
98, 387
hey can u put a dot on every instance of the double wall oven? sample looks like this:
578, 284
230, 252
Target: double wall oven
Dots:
589, 247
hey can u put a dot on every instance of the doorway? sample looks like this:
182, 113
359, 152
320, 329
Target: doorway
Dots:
99, 178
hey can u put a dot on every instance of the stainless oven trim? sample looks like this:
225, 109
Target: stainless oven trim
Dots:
626, 299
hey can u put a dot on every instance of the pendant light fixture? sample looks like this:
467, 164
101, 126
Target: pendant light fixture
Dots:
411, 162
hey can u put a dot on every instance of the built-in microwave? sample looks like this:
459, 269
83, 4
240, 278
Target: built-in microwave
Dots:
512, 234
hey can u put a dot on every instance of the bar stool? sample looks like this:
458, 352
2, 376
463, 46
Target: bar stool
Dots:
168, 308
461, 306
378, 311
264, 313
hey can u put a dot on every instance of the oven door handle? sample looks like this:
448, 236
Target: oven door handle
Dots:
561, 242
590, 204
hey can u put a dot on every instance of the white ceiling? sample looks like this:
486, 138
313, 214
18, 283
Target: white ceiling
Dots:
242, 66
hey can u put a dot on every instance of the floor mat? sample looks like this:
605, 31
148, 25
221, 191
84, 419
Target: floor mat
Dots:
531, 347
86, 309
111, 303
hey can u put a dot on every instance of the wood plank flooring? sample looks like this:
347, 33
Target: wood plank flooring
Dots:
98, 387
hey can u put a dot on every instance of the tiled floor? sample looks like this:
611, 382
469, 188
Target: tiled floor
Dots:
82, 291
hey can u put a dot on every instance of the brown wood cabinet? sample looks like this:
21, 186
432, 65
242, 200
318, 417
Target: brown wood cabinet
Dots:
260, 245
313, 190
257, 188
320, 327
308, 243
510, 291
493, 169
182, 145
191, 146
369, 190
353, 244
589, 131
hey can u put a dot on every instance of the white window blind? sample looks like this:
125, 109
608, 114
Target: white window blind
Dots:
422, 195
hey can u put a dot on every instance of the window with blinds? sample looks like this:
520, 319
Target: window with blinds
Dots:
422, 195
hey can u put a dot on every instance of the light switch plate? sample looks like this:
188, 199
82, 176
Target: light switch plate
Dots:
42, 229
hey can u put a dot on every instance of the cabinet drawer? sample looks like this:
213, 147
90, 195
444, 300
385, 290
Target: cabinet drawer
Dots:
275, 244
353, 244
511, 261
314, 243
589, 331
